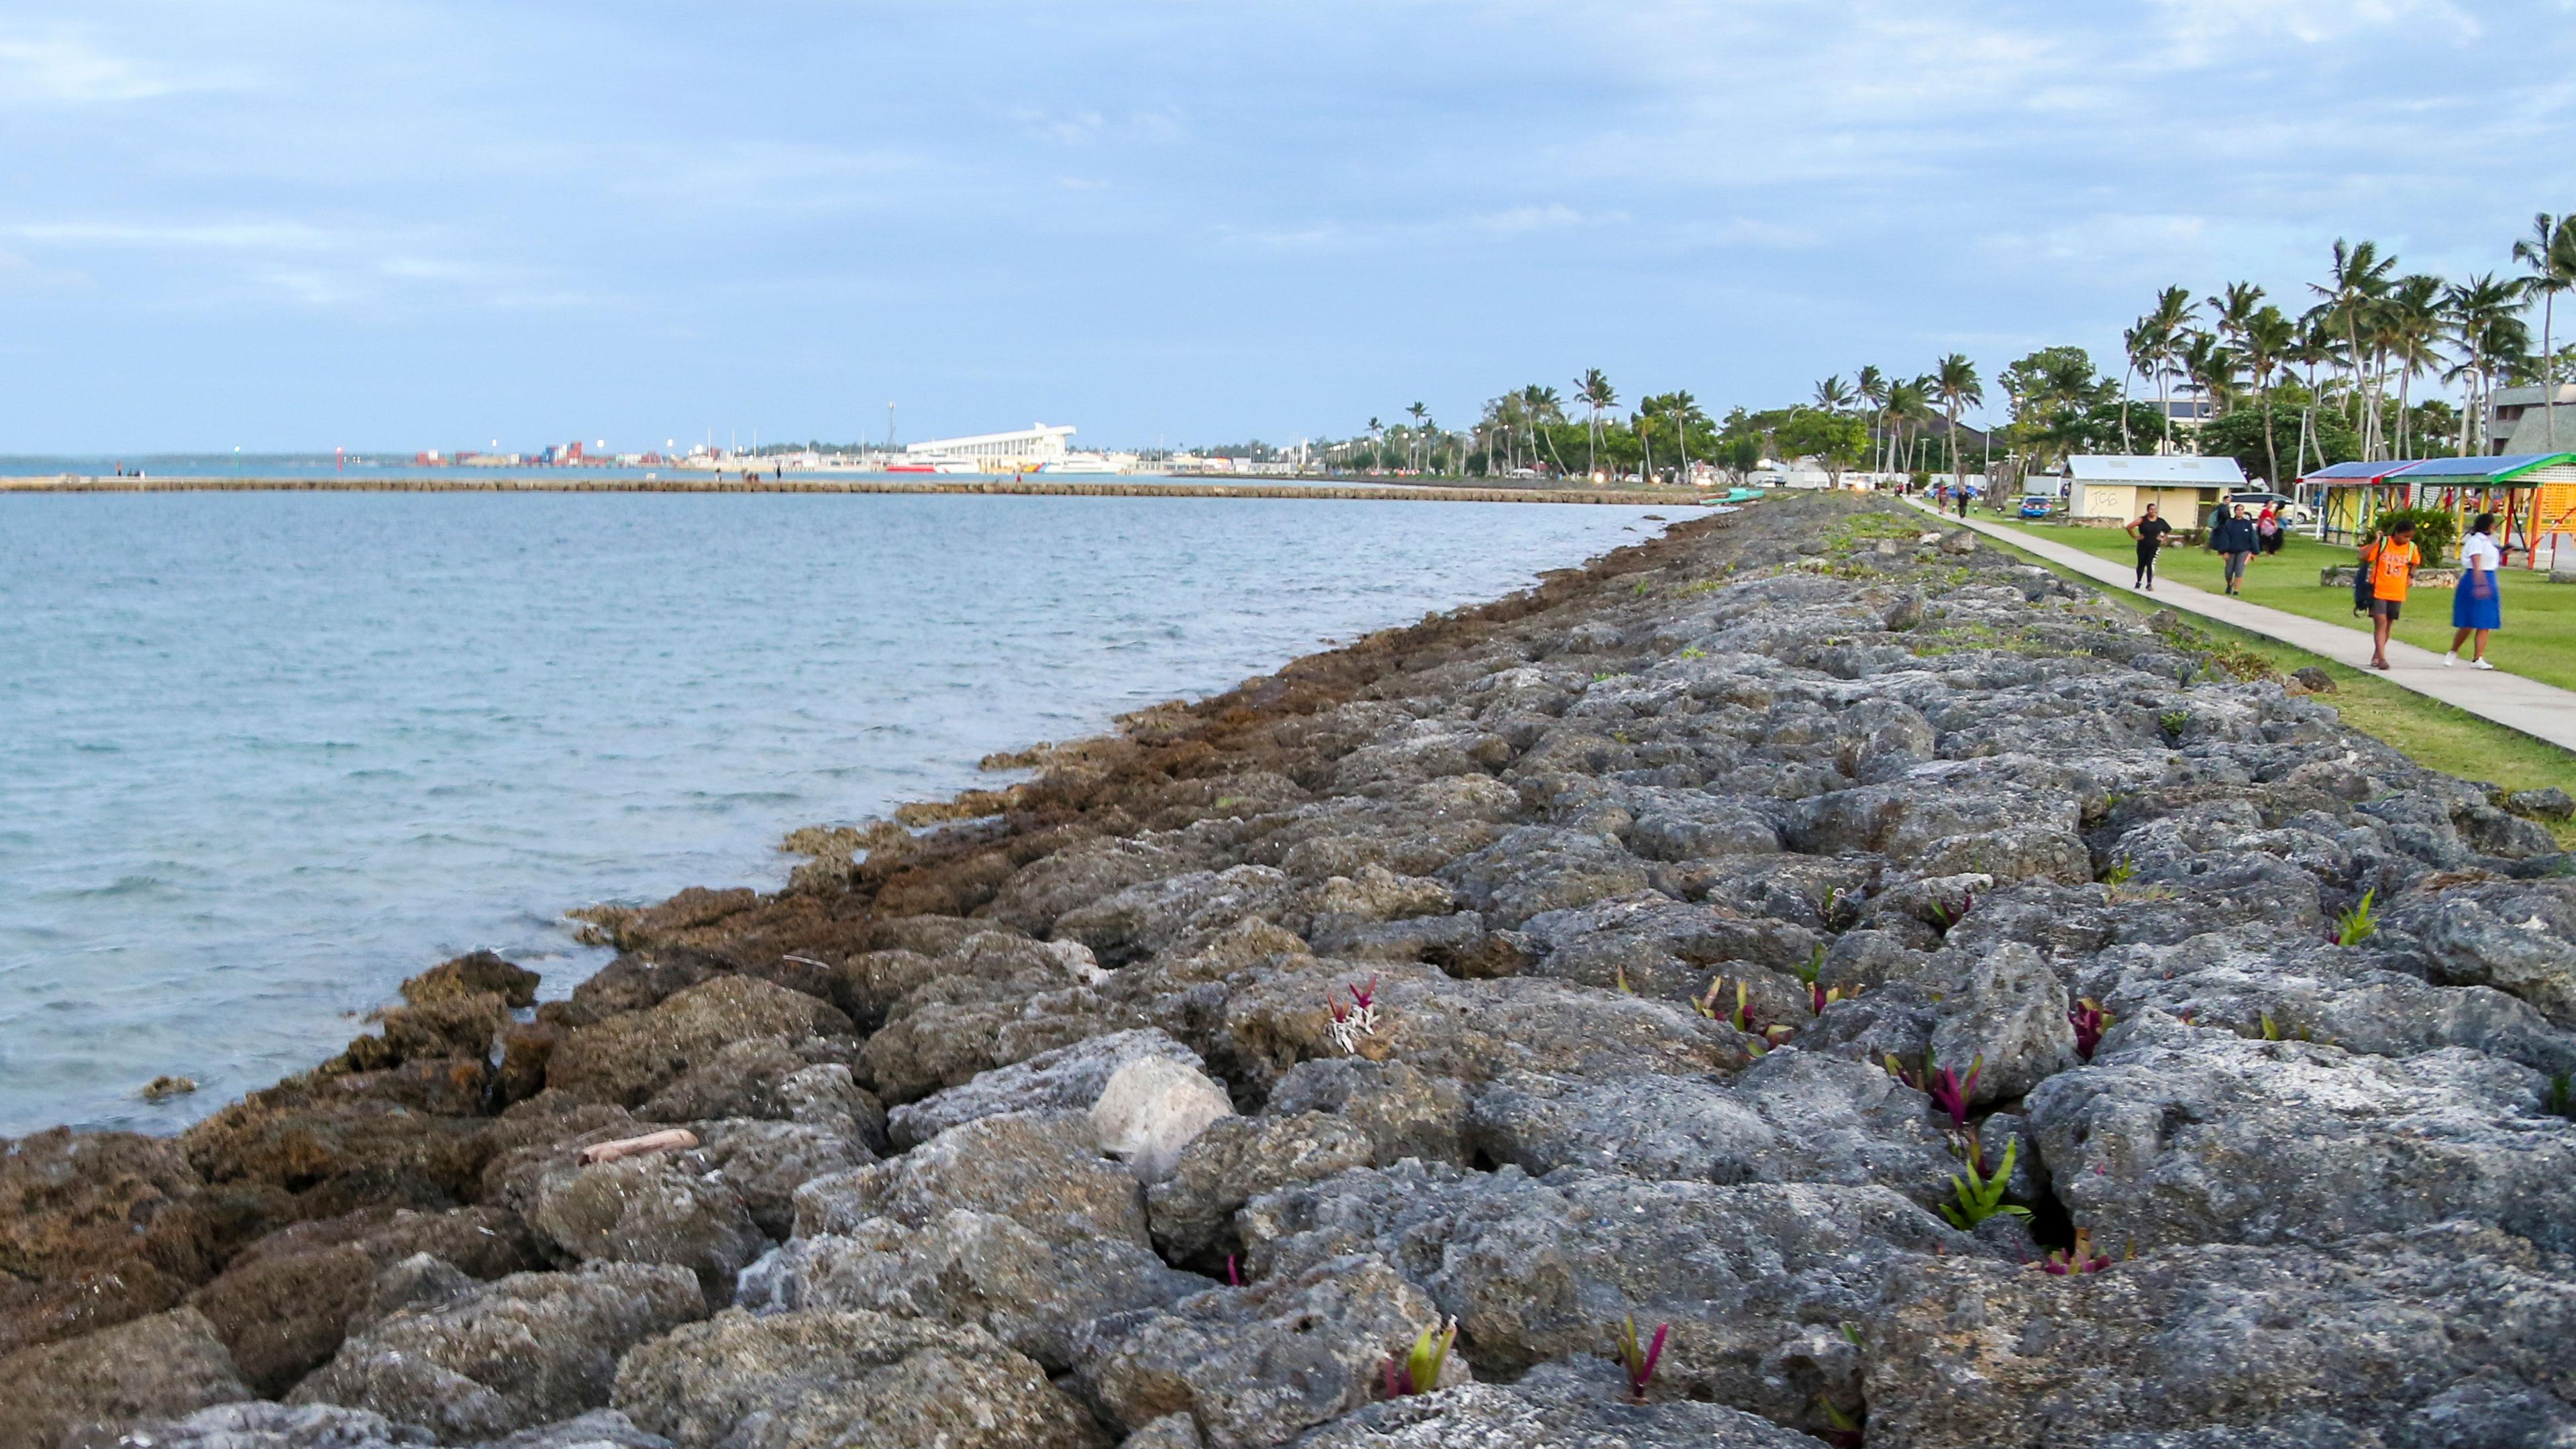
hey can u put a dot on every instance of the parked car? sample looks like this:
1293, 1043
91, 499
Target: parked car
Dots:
2289, 509
2037, 505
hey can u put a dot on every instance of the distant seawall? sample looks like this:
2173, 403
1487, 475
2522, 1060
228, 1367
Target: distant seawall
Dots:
1021, 487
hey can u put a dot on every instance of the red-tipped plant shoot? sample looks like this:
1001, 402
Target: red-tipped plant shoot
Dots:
2090, 1021
2066, 1262
1640, 1362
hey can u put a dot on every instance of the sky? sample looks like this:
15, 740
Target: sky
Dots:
306, 224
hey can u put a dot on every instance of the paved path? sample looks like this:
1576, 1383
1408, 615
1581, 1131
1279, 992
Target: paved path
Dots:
2543, 711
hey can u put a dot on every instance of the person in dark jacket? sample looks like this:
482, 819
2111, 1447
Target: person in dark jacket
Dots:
2232, 535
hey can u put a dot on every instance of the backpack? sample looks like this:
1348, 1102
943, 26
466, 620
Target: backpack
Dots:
2361, 590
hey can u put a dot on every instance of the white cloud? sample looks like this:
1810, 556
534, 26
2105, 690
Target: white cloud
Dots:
2201, 30
57, 67
216, 236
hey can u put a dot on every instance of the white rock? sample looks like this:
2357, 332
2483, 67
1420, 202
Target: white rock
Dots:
1151, 1109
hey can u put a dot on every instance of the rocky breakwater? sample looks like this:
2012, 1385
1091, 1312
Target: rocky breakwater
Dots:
1940, 1009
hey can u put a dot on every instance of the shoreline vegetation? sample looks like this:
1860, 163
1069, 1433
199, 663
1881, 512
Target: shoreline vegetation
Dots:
1914, 994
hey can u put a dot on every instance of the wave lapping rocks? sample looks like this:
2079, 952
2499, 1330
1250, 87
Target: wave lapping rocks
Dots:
1954, 1012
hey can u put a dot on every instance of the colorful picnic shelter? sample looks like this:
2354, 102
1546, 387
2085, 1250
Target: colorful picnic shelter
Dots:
2347, 496
2532, 495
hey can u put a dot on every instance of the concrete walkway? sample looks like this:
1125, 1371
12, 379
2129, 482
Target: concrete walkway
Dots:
2542, 711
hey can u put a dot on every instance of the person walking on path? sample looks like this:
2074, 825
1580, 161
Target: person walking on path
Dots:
2391, 563
2150, 533
2267, 530
1966, 491
2477, 607
2232, 536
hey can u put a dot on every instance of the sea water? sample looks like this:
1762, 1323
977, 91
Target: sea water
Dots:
262, 756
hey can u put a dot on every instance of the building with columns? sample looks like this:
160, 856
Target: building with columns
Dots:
1028, 448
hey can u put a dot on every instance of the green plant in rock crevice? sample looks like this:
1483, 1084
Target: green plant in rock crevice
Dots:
1980, 1197
1420, 1371
2360, 923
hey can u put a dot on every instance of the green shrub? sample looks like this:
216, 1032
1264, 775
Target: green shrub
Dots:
2437, 531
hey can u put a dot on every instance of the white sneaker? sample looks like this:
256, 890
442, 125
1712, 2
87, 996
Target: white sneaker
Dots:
2480, 664
2450, 659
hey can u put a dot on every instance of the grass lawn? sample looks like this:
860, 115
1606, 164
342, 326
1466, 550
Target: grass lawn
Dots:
2425, 730
2538, 639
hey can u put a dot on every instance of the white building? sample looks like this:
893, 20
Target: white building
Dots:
2115, 488
997, 452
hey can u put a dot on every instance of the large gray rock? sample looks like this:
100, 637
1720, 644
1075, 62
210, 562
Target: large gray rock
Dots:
771, 1077
2446, 1336
158, 1367
630, 1056
282, 1304
1152, 916
1152, 1110
763, 1163
1070, 1077
1039, 1169
648, 1209
822, 1378
2177, 1135
1259, 1365
2009, 1011
1753, 1278
1237, 1159
2355, 999
259, 1424
970, 1268
2518, 937
1403, 1112
1547, 1411
1793, 1117
528, 1350
1661, 947
1539, 868
1470, 1030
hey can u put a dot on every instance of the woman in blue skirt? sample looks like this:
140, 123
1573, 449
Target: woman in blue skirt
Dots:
2476, 606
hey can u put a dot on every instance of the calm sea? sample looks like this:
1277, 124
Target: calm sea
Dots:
264, 755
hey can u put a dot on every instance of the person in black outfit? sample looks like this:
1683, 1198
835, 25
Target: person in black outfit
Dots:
2150, 533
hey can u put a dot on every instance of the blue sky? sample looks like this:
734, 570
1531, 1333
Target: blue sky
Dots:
308, 223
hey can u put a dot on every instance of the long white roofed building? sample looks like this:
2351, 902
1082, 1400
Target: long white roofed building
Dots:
998, 452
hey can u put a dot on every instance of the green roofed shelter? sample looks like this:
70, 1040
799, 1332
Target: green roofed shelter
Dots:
2532, 495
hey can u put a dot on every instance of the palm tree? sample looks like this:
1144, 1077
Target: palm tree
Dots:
1872, 389
2355, 281
2481, 313
2164, 327
2314, 348
1833, 394
2550, 253
1909, 403
2139, 345
2410, 322
2211, 366
2269, 339
1545, 406
2233, 309
1954, 381
1419, 414
1684, 410
1593, 390
1377, 446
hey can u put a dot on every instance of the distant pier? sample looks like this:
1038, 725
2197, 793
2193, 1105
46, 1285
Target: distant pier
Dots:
1016, 487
